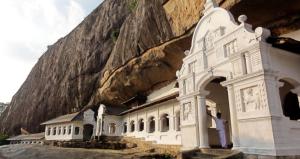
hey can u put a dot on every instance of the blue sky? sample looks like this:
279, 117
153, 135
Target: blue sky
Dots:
27, 28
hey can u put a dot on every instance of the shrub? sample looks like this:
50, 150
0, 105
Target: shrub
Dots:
114, 35
132, 5
3, 140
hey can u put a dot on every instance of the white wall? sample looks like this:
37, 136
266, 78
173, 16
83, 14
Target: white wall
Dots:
66, 136
294, 35
110, 119
171, 137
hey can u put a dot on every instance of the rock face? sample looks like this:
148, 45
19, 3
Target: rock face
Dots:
122, 48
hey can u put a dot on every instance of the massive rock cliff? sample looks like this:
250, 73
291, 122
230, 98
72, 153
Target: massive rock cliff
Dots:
122, 48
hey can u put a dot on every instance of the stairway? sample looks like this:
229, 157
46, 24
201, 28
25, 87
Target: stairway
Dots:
216, 154
151, 146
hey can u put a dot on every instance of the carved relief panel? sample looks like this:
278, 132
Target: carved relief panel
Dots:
209, 41
230, 48
189, 85
237, 67
187, 112
253, 98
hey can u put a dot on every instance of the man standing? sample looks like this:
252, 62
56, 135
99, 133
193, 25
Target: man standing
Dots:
220, 124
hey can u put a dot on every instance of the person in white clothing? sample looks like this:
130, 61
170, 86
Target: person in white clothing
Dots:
220, 124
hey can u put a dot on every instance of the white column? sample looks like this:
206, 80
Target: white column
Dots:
202, 117
97, 127
72, 129
172, 122
160, 124
233, 116
100, 126
109, 129
297, 91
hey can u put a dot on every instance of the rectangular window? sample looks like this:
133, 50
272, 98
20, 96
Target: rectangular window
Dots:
192, 67
59, 131
54, 131
65, 130
70, 130
77, 129
49, 131
230, 48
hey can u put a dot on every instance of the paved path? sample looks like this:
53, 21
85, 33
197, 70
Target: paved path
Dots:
48, 152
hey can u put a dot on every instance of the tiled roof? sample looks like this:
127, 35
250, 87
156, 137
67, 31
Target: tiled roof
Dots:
61, 119
37, 136
157, 101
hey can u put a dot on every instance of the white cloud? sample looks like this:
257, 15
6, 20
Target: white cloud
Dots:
26, 28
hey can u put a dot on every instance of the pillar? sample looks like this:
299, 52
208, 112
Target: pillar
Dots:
233, 116
97, 127
101, 126
172, 122
202, 118
297, 91
157, 120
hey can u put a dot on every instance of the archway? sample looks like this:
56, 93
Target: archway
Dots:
125, 127
132, 126
289, 100
141, 125
165, 123
112, 128
219, 132
87, 131
151, 127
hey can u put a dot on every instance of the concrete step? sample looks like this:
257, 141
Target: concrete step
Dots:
217, 153
203, 156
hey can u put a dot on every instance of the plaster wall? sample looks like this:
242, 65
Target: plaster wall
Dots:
171, 137
66, 136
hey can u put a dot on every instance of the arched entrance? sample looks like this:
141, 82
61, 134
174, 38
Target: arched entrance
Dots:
289, 100
87, 131
165, 123
218, 119
151, 125
141, 125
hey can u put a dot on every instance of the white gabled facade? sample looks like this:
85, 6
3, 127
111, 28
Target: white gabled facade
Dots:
76, 126
256, 76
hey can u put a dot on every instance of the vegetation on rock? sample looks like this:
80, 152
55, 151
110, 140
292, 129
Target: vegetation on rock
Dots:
114, 35
132, 5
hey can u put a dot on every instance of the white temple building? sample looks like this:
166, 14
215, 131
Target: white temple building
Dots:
231, 69
75, 126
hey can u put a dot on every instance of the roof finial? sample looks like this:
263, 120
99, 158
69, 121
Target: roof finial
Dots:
210, 4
